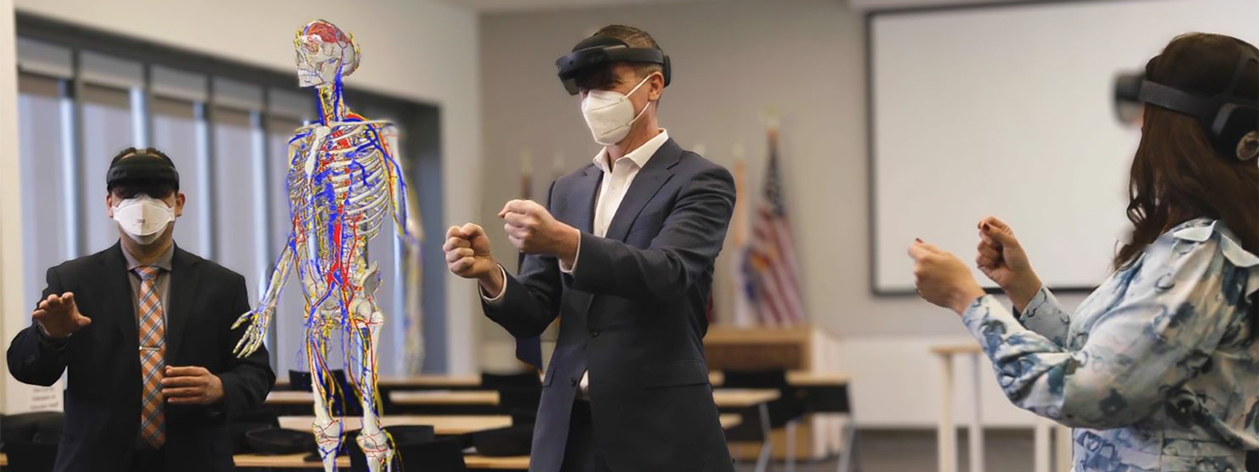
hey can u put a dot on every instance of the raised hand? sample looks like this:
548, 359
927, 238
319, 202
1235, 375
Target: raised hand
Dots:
59, 315
942, 279
533, 230
468, 252
258, 320
1001, 258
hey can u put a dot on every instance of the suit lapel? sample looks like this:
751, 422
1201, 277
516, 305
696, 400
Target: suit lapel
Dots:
183, 283
119, 298
648, 181
582, 210
584, 194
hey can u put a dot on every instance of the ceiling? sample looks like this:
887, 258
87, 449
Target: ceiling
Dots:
494, 6
522, 5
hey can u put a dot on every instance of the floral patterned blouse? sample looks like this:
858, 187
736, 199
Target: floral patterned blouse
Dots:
1158, 369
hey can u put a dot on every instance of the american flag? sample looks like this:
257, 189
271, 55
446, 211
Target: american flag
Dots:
772, 281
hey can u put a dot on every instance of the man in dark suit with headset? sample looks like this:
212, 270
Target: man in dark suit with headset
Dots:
623, 254
144, 330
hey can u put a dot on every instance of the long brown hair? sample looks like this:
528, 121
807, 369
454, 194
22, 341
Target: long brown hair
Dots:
1176, 174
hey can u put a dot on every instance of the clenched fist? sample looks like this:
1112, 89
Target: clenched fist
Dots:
533, 230
1001, 257
468, 255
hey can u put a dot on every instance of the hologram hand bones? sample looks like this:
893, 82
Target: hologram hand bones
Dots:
342, 178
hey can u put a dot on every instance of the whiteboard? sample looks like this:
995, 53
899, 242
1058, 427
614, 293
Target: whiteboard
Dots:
1008, 111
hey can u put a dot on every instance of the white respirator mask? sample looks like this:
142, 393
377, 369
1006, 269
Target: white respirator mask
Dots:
610, 114
143, 218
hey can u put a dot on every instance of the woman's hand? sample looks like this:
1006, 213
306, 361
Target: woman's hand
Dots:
942, 279
1002, 259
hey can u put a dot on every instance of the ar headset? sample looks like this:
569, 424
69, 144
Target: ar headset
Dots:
1230, 121
599, 51
142, 165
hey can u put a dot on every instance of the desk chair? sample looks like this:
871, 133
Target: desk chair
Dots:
30, 440
521, 403
40, 426
415, 450
30, 456
493, 381
514, 440
344, 401
786, 411
834, 399
251, 421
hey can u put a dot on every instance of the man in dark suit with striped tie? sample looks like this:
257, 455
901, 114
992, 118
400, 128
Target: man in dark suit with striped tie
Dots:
143, 330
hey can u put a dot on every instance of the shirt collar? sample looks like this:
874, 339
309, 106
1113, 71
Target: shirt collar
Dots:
639, 156
163, 262
1201, 229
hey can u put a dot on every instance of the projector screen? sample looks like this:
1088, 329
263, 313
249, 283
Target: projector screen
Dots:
1008, 111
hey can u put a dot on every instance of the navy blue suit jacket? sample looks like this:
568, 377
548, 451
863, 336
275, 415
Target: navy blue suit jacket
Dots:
633, 314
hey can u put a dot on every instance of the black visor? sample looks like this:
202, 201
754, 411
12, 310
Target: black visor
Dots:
142, 168
600, 51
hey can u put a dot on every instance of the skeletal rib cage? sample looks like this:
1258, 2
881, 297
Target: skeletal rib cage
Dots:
342, 180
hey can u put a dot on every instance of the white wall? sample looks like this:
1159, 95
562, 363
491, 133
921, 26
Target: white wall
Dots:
896, 4
731, 61
419, 50
1066, 197
11, 283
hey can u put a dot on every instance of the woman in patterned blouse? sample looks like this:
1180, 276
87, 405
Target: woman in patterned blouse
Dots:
1158, 369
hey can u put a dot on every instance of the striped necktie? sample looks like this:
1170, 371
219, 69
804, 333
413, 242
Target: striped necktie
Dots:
152, 358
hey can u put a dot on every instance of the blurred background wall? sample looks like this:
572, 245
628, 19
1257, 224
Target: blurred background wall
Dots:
489, 66
733, 62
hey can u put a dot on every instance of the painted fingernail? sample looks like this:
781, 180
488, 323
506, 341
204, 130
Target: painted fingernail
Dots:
917, 239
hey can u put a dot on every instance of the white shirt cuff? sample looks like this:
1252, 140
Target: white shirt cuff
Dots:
497, 298
567, 269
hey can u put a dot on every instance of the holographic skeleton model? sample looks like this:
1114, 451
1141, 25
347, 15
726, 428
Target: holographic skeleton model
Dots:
342, 179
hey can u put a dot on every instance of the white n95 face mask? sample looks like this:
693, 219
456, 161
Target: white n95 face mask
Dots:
143, 218
610, 114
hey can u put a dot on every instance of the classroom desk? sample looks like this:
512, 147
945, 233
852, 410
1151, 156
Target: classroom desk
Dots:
443, 425
473, 461
828, 393
725, 398
446, 425
735, 398
946, 441
445, 398
417, 382
739, 398
296, 461
476, 462
797, 378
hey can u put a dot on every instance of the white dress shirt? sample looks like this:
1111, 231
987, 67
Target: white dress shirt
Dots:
612, 188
